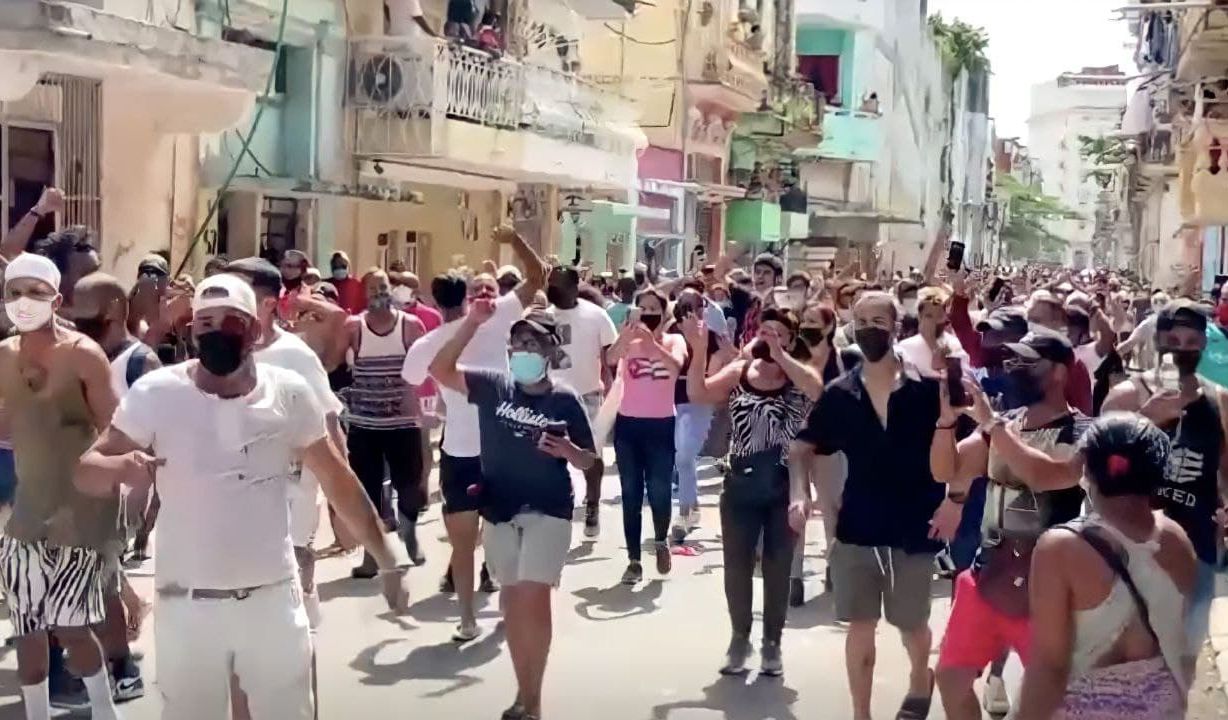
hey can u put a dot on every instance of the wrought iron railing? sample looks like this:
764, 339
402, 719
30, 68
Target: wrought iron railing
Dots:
407, 78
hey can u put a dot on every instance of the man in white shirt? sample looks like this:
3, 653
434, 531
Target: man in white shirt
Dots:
229, 599
586, 331
460, 463
933, 333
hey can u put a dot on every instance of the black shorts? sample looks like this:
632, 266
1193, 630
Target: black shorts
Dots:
456, 476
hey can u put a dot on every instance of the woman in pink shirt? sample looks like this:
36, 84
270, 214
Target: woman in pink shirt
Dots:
649, 362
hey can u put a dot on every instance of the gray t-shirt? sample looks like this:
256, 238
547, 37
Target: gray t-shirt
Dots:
516, 474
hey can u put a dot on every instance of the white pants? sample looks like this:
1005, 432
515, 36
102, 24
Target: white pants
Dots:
264, 640
306, 503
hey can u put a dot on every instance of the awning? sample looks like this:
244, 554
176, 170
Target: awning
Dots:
197, 84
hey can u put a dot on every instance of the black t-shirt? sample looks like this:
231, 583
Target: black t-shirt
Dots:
680, 395
516, 474
890, 494
1190, 492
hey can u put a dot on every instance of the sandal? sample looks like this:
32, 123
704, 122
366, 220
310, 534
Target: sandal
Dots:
515, 712
917, 708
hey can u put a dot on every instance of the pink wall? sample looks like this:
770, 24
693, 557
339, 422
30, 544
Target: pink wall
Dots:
660, 164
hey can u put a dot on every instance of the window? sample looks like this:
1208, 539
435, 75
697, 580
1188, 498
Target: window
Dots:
27, 165
279, 226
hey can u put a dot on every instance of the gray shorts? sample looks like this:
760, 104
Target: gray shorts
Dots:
530, 547
872, 582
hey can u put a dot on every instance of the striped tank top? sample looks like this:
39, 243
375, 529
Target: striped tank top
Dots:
380, 399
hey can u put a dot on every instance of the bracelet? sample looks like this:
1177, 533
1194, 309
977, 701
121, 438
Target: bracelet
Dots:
945, 427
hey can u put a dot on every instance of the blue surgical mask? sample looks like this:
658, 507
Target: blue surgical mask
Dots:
528, 368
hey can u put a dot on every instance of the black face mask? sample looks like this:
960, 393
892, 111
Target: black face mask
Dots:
874, 342
94, 328
811, 336
652, 322
1028, 389
221, 353
759, 350
1185, 360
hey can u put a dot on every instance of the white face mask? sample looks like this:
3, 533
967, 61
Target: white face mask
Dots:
402, 295
909, 305
28, 314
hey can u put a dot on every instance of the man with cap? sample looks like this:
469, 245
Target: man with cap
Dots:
1193, 413
229, 600
294, 264
990, 612
55, 385
531, 429
350, 294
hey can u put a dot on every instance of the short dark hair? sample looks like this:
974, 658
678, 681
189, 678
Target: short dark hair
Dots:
262, 274
652, 292
449, 290
1126, 454
769, 260
798, 276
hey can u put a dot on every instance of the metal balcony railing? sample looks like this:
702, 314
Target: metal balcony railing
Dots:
403, 79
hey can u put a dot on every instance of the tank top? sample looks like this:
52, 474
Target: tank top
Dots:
51, 429
680, 394
1190, 491
379, 398
765, 419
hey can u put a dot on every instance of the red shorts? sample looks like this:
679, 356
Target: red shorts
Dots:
977, 634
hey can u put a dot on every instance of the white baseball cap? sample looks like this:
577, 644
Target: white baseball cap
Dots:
225, 291
34, 267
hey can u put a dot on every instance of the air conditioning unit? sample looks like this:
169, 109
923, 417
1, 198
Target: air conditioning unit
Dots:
377, 79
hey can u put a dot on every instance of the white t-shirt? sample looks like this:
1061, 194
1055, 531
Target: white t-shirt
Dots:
586, 329
225, 488
401, 14
918, 353
486, 351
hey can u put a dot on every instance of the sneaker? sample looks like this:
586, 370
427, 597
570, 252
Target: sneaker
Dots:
68, 693
797, 592
311, 603
367, 570
486, 583
996, 701
736, 655
515, 712
770, 662
446, 586
465, 633
665, 562
592, 520
633, 574
678, 532
126, 681
409, 533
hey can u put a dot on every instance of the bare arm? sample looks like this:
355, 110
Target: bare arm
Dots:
800, 453
1039, 470
802, 375
443, 367
114, 458
346, 496
710, 389
95, 373
534, 268
1045, 678
18, 237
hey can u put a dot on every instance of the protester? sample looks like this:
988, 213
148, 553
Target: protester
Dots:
56, 388
882, 416
930, 305
768, 396
766, 273
618, 310
1108, 592
224, 480
383, 414
649, 363
294, 265
350, 293
461, 474
531, 430
990, 612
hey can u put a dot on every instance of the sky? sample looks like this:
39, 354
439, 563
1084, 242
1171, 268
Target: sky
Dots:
1031, 41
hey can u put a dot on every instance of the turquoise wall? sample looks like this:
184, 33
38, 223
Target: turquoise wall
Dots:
819, 40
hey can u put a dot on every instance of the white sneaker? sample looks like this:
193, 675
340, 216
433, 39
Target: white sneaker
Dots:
312, 604
465, 633
996, 701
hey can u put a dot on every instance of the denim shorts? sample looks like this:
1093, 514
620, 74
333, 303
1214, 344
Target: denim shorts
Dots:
8, 477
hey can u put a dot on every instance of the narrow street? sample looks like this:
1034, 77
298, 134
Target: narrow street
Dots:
648, 653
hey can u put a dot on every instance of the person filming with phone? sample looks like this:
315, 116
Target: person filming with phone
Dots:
990, 612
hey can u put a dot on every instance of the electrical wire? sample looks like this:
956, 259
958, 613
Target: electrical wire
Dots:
627, 37
262, 104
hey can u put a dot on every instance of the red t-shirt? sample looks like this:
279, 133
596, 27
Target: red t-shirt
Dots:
351, 295
430, 319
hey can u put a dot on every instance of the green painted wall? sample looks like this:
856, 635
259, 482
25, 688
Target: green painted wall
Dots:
820, 41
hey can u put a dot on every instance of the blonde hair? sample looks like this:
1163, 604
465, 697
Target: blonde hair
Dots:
933, 295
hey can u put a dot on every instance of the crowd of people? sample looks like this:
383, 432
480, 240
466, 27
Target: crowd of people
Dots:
1051, 441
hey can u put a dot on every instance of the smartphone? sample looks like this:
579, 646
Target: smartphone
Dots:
557, 428
998, 283
955, 255
955, 383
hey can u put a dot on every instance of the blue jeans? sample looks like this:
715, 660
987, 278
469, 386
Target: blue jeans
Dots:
690, 431
968, 537
8, 477
644, 451
1198, 617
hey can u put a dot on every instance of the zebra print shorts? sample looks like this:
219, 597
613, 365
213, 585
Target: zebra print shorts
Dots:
49, 587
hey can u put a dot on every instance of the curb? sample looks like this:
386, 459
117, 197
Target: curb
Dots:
1219, 636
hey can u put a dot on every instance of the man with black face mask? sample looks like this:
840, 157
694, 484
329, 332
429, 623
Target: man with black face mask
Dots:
882, 416
228, 596
1193, 415
294, 264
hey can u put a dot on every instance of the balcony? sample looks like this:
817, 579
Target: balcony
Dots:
463, 109
1203, 42
731, 76
849, 135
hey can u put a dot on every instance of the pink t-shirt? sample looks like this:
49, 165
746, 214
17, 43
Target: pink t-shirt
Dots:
430, 319
648, 382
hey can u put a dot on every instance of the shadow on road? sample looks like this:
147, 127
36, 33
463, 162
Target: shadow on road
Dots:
619, 602
763, 699
447, 662
346, 587
439, 608
818, 611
